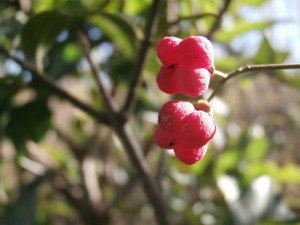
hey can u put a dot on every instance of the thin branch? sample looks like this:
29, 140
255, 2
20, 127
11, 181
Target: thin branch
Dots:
43, 79
193, 17
141, 57
95, 71
218, 21
130, 144
137, 158
251, 68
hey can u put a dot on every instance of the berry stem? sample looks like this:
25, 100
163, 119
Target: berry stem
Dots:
250, 68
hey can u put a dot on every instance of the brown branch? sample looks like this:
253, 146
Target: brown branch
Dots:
141, 57
130, 144
43, 79
250, 68
219, 18
193, 17
95, 71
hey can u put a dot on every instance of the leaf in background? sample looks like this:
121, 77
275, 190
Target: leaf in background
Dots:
41, 31
241, 27
22, 212
29, 121
266, 54
256, 149
253, 2
293, 81
118, 29
63, 59
9, 85
119, 68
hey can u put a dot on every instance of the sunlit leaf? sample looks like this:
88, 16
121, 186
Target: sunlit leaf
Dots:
267, 54
118, 29
241, 27
253, 2
256, 149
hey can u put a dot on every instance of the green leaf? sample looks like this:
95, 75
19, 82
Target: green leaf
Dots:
266, 54
9, 85
293, 81
29, 121
41, 30
63, 59
22, 212
253, 2
241, 27
257, 149
118, 29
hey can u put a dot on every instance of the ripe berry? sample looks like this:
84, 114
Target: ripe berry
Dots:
196, 52
172, 114
189, 156
167, 80
187, 65
167, 50
163, 138
194, 82
197, 130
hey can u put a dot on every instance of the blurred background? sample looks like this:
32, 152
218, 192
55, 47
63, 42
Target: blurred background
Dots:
59, 164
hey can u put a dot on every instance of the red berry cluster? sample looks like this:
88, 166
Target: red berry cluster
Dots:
185, 128
187, 68
187, 65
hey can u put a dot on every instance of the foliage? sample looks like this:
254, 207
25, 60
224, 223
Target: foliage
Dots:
79, 103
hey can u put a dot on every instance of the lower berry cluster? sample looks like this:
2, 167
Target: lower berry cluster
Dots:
185, 128
187, 68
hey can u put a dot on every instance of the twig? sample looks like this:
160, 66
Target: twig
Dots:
250, 68
43, 79
193, 17
130, 144
141, 57
218, 20
95, 71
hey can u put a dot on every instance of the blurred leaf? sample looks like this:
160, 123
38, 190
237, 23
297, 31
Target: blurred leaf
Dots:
29, 121
41, 31
266, 54
290, 80
22, 212
227, 161
10, 27
118, 29
9, 85
253, 2
63, 59
257, 149
289, 173
241, 27
119, 68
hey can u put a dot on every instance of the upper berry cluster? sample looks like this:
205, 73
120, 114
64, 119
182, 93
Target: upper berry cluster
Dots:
187, 66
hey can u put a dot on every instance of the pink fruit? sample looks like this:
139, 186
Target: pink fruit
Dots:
196, 52
193, 82
189, 156
187, 65
167, 50
162, 138
167, 80
197, 130
172, 113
